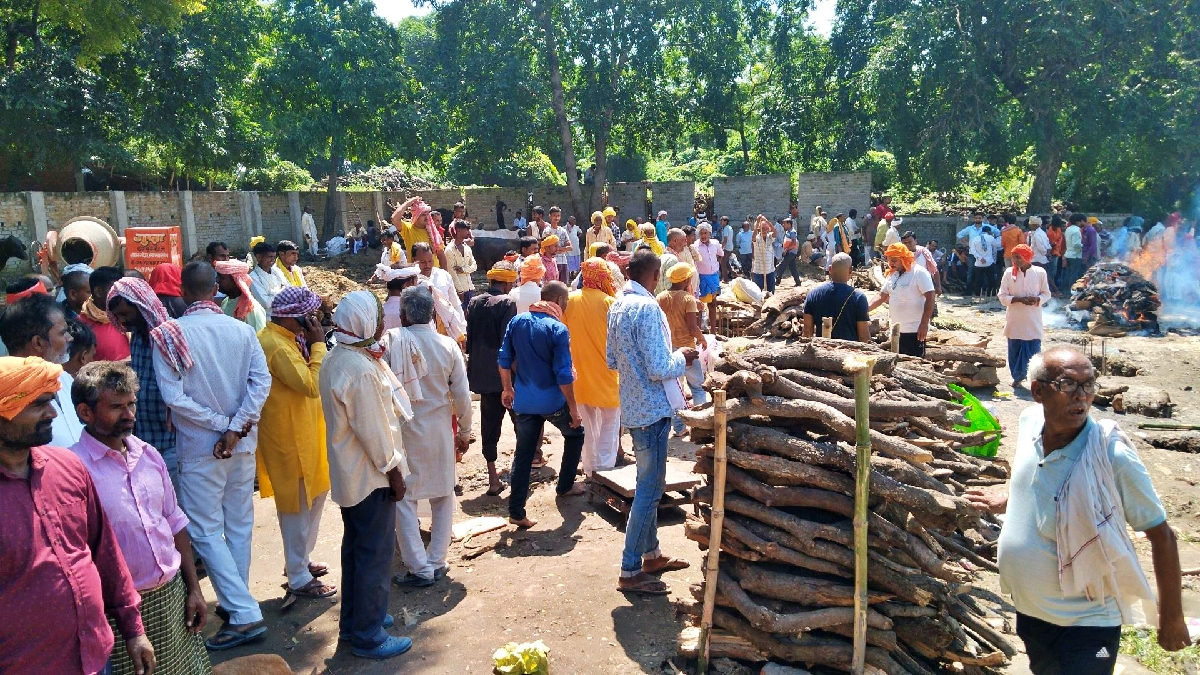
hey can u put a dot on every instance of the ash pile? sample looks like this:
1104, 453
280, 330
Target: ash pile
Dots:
1113, 299
785, 584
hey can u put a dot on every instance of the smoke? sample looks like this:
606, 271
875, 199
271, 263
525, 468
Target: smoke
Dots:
1170, 258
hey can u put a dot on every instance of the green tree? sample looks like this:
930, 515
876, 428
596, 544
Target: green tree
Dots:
334, 88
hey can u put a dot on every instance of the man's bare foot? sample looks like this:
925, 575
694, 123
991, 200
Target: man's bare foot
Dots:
576, 490
524, 523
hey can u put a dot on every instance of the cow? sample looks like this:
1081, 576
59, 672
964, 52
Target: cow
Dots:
11, 247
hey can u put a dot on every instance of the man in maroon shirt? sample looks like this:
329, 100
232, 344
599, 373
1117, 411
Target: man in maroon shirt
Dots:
61, 568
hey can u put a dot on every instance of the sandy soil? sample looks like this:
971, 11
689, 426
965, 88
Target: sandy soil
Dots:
556, 582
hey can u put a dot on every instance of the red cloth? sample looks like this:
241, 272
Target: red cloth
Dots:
111, 342
37, 289
166, 280
61, 569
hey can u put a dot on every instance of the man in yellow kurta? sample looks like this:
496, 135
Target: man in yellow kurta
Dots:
596, 395
419, 229
292, 463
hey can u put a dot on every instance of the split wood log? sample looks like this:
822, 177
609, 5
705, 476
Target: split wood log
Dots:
932, 508
991, 660
741, 383
770, 621
884, 639
776, 548
954, 546
928, 631
880, 409
802, 590
959, 438
908, 379
820, 354
698, 531
721, 644
780, 471
841, 424
964, 468
964, 354
896, 610
816, 381
991, 635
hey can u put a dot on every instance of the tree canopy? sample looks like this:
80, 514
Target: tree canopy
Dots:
1094, 103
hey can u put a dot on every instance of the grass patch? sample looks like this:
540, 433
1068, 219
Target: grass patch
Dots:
1142, 644
948, 323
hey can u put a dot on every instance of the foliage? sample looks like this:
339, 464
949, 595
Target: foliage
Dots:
1142, 644
277, 175
525, 167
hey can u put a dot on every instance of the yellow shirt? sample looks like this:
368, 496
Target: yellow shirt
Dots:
677, 305
586, 318
412, 235
291, 433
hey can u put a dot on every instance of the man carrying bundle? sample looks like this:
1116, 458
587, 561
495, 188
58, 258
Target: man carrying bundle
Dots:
1065, 556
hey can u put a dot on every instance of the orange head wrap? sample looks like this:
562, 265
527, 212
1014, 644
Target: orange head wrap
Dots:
22, 380
596, 274
38, 288
533, 269
900, 253
1022, 251
240, 272
503, 271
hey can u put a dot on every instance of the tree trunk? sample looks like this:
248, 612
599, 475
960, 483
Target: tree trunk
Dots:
745, 143
329, 227
1049, 163
558, 101
600, 177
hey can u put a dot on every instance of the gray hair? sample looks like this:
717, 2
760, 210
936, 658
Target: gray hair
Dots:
705, 227
98, 377
1040, 372
417, 304
675, 232
841, 259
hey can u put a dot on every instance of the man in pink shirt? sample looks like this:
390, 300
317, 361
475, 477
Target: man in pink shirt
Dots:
136, 493
1023, 290
61, 570
708, 268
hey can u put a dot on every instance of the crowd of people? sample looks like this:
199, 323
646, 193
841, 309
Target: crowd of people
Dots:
151, 408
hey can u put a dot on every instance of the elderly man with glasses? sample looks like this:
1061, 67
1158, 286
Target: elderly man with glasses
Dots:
1065, 556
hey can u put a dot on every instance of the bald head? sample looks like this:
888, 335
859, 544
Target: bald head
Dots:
198, 282
840, 268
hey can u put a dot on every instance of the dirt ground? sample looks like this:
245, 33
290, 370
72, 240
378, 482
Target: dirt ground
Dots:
556, 582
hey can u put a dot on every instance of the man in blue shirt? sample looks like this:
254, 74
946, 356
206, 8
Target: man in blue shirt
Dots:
743, 241
639, 349
661, 226
1064, 553
538, 382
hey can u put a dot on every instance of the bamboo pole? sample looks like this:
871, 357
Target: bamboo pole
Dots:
827, 327
862, 492
894, 346
715, 526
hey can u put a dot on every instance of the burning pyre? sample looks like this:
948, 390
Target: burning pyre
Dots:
1112, 298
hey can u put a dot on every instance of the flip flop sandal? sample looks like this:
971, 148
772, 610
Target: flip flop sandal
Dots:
228, 638
314, 589
496, 493
539, 463
666, 565
318, 569
645, 585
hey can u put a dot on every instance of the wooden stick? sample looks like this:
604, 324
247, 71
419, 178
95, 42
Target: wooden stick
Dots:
716, 523
1169, 426
827, 327
894, 344
862, 494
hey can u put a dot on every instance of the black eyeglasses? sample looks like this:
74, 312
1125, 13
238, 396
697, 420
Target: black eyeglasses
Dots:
1065, 385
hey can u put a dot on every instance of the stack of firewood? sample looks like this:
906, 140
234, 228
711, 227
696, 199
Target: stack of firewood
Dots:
785, 584
1116, 298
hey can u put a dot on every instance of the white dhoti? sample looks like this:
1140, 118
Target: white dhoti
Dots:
602, 439
299, 532
421, 561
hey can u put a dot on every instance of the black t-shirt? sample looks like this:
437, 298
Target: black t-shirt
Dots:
828, 300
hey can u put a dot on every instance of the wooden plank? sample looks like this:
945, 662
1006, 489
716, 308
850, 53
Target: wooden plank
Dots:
623, 480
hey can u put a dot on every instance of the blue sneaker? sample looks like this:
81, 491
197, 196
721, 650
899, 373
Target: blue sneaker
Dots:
392, 646
388, 622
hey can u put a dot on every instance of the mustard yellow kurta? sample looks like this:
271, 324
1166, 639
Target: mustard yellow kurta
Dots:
291, 432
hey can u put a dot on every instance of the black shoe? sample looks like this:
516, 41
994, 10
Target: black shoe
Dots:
410, 580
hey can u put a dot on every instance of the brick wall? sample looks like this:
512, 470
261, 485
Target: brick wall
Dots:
218, 217
359, 207
677, 198
481, 204
837, 192
742, 196
63, 206
15, 220
629, 199
276, 217
154, 209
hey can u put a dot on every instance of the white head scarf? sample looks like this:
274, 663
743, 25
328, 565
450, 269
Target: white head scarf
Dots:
358, 318
387, 273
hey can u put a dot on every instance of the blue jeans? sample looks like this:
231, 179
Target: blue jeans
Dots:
641, 530
694, 374
529, 439
764, 281
368, 542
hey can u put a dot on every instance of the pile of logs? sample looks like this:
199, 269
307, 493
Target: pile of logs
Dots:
1113, 299
965, 365
785, 583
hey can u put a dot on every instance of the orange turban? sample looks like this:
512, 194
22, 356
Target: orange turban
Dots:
37, 289
1022, 251
901, 253
22, 380
532, 269
503, 271
596, 274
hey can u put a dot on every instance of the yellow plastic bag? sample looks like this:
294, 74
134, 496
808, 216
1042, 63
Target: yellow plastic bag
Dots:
530, 658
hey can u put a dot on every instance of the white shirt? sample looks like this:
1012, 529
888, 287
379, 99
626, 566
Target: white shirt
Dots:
1024, 322
308, 226
573, 236
441, 280
1039, 241
906, 297
727, 238
266, 285
525, 295
226, 387
428, 439
852, 228
892, 237
981, 248
66, 425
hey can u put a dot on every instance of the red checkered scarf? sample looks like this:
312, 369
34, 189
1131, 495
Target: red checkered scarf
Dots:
435, 235
168, 337
139, 294
240, 272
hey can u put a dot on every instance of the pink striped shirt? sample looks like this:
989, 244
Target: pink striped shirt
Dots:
140, 504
